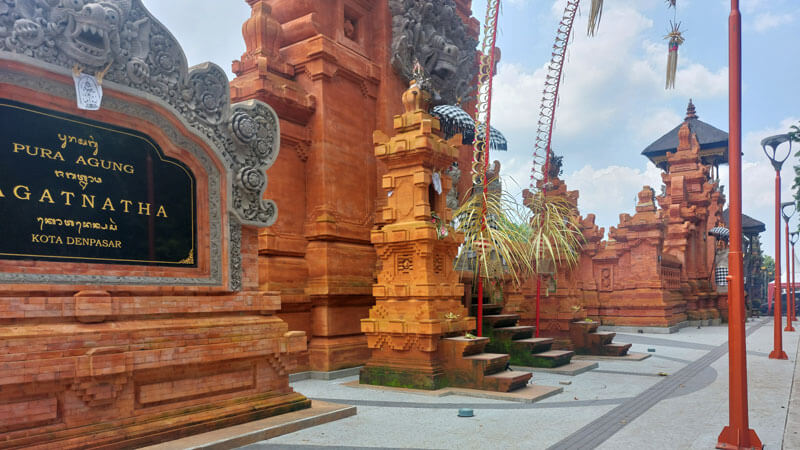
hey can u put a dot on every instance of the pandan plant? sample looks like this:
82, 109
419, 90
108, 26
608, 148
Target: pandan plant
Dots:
514, 239
555, 237
497, 236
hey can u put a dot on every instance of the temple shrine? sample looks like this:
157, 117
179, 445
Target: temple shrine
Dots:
335, 72
198, 313
317, 69
656, 269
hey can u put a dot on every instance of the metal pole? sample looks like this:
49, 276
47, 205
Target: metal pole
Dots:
794, 317
789, 285
777, 351
538, 301
480, 302
737, 435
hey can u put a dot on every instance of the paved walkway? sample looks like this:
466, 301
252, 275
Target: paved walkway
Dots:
675, 399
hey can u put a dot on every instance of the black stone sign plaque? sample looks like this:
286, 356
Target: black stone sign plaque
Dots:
73, 189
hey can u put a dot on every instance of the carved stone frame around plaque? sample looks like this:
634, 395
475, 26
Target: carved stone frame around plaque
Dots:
142, 59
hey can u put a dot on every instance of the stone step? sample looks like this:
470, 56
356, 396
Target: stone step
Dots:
616, 349
536, 345
605, 337
488, 309
508, 380
552, 358
491, 362
464, 346
513, 333
500, 320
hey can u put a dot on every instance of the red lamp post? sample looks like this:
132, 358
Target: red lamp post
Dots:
789, 284
737, 435
793, 239
773, 143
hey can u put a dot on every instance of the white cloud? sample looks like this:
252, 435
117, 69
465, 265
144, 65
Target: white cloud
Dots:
750, 6
767, 21
696, 80
206, 31
613, 86
655, 123
610, 191
758, 181
516, 97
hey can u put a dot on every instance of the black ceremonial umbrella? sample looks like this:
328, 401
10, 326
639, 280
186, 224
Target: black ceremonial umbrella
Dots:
455, 120
496, 139
719, 233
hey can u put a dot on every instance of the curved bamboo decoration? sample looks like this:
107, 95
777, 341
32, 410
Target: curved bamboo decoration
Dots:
547, 109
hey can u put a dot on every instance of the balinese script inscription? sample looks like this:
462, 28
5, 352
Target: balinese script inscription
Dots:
73, 189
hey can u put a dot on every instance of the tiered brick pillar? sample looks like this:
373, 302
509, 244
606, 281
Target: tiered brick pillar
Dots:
323, 79
641, 287
418, 292
687, 203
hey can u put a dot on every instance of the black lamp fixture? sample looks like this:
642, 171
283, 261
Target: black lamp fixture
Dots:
774, 142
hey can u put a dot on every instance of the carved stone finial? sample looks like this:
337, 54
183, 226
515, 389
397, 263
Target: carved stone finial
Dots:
415, 98
691, 113
684, 133
646, 200
263, 36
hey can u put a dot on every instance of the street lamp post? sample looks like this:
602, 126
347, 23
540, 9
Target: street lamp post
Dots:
793, 239
773, 143
789, 284
737, 434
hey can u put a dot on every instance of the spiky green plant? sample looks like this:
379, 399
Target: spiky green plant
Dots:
517, 238
498, 235
555, 234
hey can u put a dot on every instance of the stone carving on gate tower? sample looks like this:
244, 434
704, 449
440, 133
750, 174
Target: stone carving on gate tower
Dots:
431, 32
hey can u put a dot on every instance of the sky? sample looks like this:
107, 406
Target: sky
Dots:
613, 103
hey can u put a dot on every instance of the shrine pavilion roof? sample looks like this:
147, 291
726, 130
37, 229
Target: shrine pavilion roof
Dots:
749, 225
713, 141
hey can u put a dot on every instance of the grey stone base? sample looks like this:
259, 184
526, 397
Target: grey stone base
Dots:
571, 369
332, 375
259, 430
704, 323
651, 330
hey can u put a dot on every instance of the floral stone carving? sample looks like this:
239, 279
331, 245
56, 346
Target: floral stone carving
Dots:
123, 39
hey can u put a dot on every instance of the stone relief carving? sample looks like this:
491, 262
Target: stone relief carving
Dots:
236, 254
431, 32
121, 38
452, 195
139, 52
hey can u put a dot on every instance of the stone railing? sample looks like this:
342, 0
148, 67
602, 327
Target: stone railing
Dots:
670, 277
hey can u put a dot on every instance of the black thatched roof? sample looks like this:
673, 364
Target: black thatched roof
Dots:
708, 136
749, 225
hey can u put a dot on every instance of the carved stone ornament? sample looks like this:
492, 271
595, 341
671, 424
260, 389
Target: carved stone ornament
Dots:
431, 32
141, 54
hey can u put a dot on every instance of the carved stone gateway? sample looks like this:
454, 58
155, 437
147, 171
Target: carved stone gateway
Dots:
130, 309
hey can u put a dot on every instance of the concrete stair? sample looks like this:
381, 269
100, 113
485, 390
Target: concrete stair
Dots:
509, 380
586, 340
616, 349
518, 342
466, 365
489, 309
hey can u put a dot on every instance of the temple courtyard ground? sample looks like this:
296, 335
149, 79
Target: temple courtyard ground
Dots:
676, 399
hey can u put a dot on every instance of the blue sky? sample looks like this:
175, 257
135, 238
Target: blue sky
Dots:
613, 102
